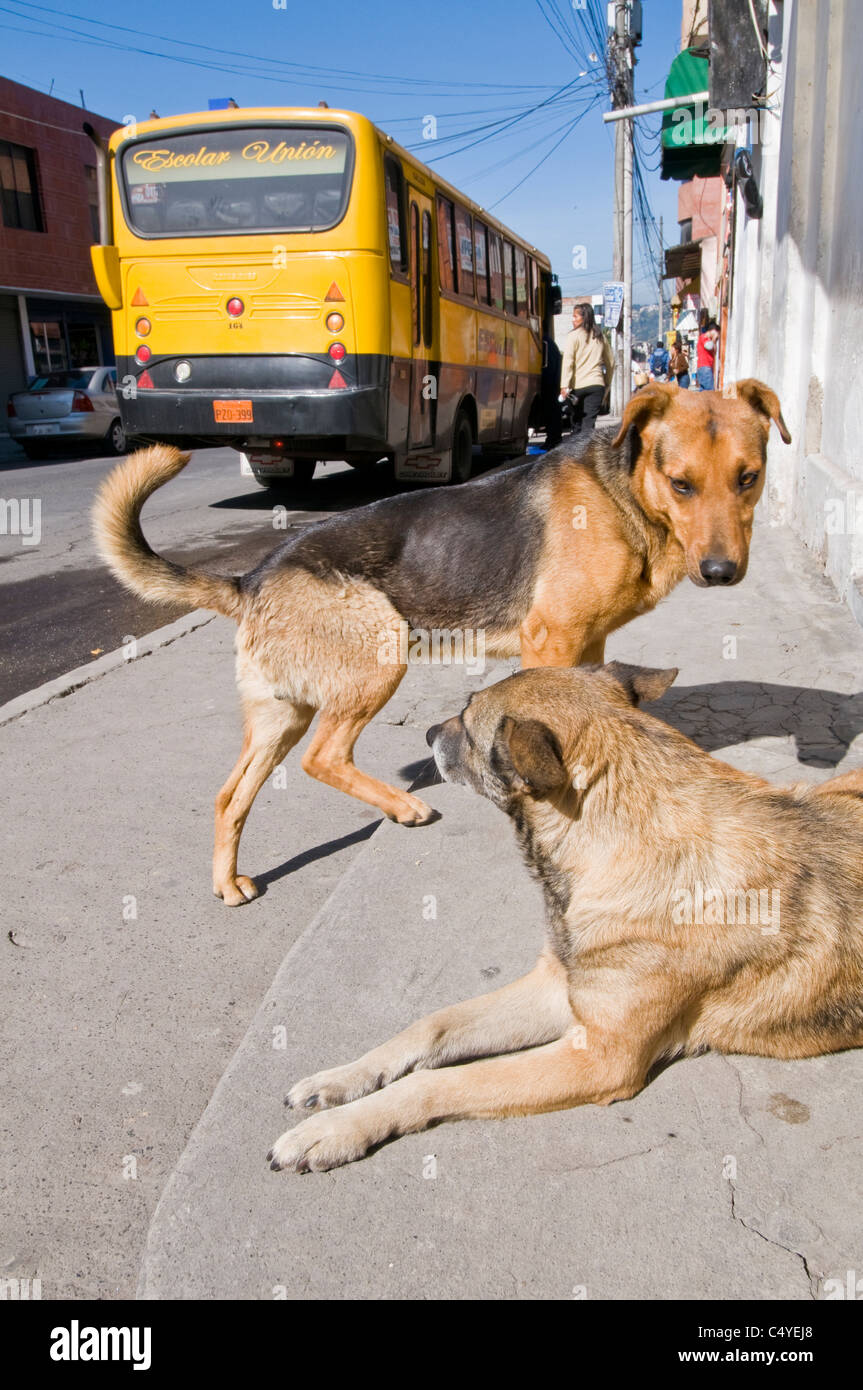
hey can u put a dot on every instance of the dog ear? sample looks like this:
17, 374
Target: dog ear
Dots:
642, 682
765, 401
649, 403
527, 755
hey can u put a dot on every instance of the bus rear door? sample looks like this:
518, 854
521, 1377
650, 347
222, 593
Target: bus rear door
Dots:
424, 326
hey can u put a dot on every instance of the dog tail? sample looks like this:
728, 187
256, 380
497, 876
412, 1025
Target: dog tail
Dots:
121, 543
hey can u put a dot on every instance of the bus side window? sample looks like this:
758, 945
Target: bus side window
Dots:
415, 271
464, 243
496, 263
480, 242
446, 244
534, 289
508, 278
427, 278
521, 282
395, 196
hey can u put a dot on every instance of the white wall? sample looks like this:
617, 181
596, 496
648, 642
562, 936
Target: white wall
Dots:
797, 312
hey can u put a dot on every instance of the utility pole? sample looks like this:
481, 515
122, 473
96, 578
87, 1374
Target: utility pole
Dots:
622, 58
661, 273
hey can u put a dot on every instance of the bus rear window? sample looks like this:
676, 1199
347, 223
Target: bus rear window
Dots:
220, 181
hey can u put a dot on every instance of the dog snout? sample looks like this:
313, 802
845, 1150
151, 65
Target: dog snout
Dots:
432, 734
716, 570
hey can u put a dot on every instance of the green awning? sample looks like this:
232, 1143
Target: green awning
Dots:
692, 135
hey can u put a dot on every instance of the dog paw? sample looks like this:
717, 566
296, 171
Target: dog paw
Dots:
328, 1089
236, 891
322, 1142
417, 813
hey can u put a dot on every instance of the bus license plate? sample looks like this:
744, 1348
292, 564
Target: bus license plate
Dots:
232, 412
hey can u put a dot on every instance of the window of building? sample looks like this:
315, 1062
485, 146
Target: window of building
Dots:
521, 282
496, 271
93, 200
19, 189
394, 184
685, 231
464, 245
446, 243
49, 346
480, 244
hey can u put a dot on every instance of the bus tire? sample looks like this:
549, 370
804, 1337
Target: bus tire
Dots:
462, 448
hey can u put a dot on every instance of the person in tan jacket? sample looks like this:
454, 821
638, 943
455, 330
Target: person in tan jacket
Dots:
587, 370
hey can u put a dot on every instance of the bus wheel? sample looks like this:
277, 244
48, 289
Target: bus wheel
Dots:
304, 471
462, 448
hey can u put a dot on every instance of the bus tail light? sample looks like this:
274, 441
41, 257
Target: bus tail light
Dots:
335, 323
142, 327
145, 382
336, 382
333, 294
143, 354
81, 401
235, 307
337, 351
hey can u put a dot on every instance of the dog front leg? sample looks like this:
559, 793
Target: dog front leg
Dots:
545, 644
532, 1010
553, 1077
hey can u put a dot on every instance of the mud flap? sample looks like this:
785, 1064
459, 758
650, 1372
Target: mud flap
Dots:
423, 465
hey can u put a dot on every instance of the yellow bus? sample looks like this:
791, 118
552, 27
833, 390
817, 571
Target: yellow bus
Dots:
292, 283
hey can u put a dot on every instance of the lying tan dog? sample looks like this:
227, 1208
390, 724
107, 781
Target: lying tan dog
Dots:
688, 906
545, 560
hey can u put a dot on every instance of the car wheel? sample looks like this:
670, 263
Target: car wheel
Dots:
462, 448
116, 438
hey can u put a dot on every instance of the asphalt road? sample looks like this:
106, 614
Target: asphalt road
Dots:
60, 607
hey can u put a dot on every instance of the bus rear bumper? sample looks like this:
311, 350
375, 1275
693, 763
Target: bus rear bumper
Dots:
312, 422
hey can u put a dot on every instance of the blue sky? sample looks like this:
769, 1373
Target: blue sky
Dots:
489, 72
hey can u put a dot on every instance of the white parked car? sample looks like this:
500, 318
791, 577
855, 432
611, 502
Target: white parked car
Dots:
65, 407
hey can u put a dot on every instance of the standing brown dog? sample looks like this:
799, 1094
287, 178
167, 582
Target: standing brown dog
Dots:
688, 906
545, 560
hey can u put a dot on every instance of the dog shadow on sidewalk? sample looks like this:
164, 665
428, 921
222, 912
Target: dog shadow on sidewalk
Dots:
823, 723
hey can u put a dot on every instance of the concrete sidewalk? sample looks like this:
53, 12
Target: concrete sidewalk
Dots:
726, 1177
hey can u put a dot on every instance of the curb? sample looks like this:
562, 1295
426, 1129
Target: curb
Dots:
95, 670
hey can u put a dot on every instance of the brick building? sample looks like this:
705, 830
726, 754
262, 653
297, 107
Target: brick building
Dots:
51, 315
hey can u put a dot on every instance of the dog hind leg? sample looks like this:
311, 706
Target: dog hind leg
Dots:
272, 727
349, 705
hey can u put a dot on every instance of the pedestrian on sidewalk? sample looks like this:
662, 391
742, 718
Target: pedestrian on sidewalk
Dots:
706, 355
679, 365
588, 367
659, 362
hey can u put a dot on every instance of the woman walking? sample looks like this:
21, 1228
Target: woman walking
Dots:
587, 370
680, 363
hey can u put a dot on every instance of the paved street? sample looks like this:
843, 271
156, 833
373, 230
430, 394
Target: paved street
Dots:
60, 605
139, 1014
